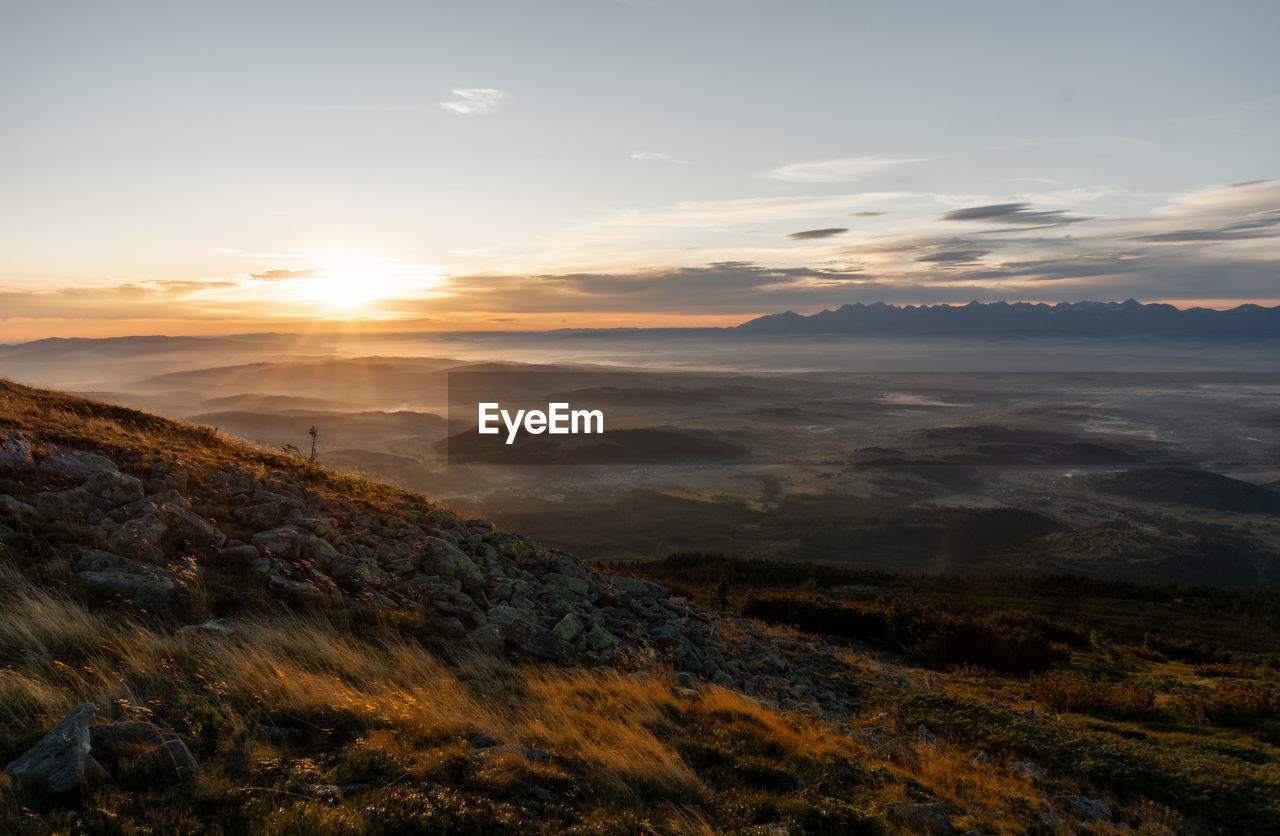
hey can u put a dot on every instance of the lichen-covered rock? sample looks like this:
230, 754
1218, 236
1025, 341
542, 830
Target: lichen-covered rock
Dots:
143, 537
150, 587
109, 489
59, 505
60, 760
75, 465
568, 628
443, 558
16, 454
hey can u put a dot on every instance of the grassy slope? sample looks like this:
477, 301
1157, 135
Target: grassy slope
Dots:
380, 701
1172, 692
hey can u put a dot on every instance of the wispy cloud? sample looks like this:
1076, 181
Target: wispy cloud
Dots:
721, 212
840, 170
811, 234
474, 100
657, 157
1013, 213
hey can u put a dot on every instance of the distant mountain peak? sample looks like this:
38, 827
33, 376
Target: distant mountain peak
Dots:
1126, 319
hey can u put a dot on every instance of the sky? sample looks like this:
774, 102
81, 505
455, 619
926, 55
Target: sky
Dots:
229, 167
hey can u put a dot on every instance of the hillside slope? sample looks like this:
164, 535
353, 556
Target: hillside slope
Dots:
198, 636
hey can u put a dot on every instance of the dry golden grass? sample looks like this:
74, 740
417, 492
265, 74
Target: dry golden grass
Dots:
46, 417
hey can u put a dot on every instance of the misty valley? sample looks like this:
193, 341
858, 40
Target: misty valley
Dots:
1145, 473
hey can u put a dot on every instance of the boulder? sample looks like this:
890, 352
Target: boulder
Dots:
210, 628
16, 507
60, 504
931, 817
75, 465
1087, 810
143, 537
441, 557
1028, 771
568, 628
170, 761
60, 760
16, 454
571, 587
633, 588
112, 742
148, 586
109, 489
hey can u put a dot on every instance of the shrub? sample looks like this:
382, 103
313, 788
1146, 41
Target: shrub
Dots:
1073, 692
1230, 704
1010, 642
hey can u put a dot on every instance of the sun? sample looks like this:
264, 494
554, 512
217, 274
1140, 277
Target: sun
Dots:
352, 289
346, 289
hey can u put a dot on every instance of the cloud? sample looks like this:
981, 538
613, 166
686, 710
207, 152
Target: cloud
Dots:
474, 100
838, 171
953, 256
809, 234
282, 275
866, 214
657, 157
1012, 213
724, 212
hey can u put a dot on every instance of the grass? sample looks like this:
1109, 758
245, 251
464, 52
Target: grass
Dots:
377, 702
1164, 700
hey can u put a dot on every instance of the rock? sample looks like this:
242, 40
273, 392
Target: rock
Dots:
773, 828
239, 553
539, 641
284, 543
60, 759
1087, 810
1028, 771
109, 489
276, 734
874, 736
15, 454
491, 637
75, 465
981, 758
194, 530
164, 475
150, 587
143, 537
930, 817
575, 587
527, 752
927, 738
210, 628
171, 760
324, 792
632, 588
301, 592
568, 628
441, 557
111, 742
15, 507
61, 504
598, 638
